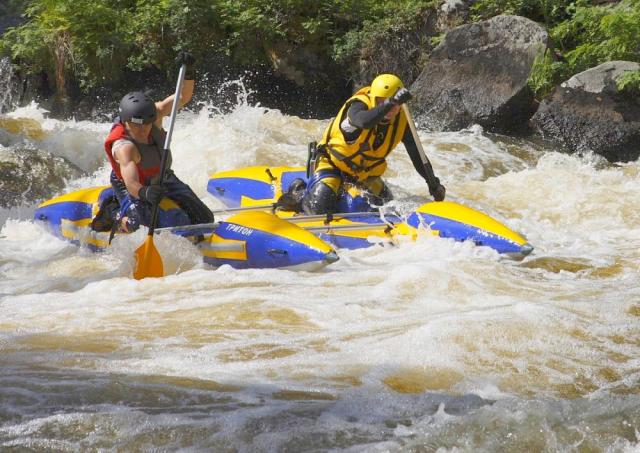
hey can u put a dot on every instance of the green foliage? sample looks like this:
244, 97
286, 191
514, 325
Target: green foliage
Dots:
546, 74
91, 42
436, 40
82, 37
599, 34
547, 11
385, 21
254, 27
629, 83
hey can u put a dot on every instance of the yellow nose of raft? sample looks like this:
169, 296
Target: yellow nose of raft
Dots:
453, 220
263, 240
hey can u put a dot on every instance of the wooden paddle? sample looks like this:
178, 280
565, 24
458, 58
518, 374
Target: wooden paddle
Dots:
431, 177
148, 260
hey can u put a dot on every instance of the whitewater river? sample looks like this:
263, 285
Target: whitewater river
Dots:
425, 346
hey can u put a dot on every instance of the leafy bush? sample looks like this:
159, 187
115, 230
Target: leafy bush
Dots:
629, 83
548, 12
377, 26
546, 74
92, 41
254, 28
391, 29
84, 37
595, 35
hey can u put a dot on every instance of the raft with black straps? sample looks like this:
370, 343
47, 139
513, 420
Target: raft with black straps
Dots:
356, 223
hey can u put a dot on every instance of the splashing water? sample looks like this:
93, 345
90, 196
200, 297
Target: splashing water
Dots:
423, 346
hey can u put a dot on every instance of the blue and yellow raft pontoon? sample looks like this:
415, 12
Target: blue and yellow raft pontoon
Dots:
262, 186
245, 240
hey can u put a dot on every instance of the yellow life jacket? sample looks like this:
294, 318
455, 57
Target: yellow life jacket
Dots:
359, 158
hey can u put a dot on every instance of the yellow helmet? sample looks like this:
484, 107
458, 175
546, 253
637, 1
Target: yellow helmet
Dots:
385, 86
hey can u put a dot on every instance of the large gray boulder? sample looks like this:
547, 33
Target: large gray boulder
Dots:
478, 75
31, 175
587, 113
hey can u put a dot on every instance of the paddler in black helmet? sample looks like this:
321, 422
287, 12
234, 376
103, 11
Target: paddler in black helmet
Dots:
356, 143
134, 149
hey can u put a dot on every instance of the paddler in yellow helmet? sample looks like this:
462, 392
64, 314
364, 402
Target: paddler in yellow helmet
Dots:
356, 144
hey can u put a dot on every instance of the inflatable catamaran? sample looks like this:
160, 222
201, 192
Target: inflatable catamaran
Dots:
262, 186
257, 238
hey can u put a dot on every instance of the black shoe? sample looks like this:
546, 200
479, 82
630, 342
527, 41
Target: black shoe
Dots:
291, 200
107, 215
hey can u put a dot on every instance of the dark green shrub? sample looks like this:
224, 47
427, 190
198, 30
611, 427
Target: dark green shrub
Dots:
597, 34
546, 74
629, 84
549, 12
92, 42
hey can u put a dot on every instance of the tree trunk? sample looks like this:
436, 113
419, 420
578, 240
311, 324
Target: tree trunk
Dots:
61, 50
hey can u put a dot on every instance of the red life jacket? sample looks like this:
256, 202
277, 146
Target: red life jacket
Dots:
150, 154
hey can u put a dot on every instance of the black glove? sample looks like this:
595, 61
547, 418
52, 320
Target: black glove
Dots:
438, 192
187, 59
152, 194
401, 96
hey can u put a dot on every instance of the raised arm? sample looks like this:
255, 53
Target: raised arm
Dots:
362, 118
164, 107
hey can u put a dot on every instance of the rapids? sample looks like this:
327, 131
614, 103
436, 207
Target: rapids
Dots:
424, 346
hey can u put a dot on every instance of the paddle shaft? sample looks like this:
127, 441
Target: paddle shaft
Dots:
261, 207
273, 206
167, 142
428, 168
294, 219
313, 229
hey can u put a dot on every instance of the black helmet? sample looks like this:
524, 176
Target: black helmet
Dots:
136, 107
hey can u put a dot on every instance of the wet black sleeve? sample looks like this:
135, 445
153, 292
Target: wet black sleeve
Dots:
412, 149
363, 118
425, 170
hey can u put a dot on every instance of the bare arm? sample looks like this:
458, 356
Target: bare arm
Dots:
164, 106
127, 155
